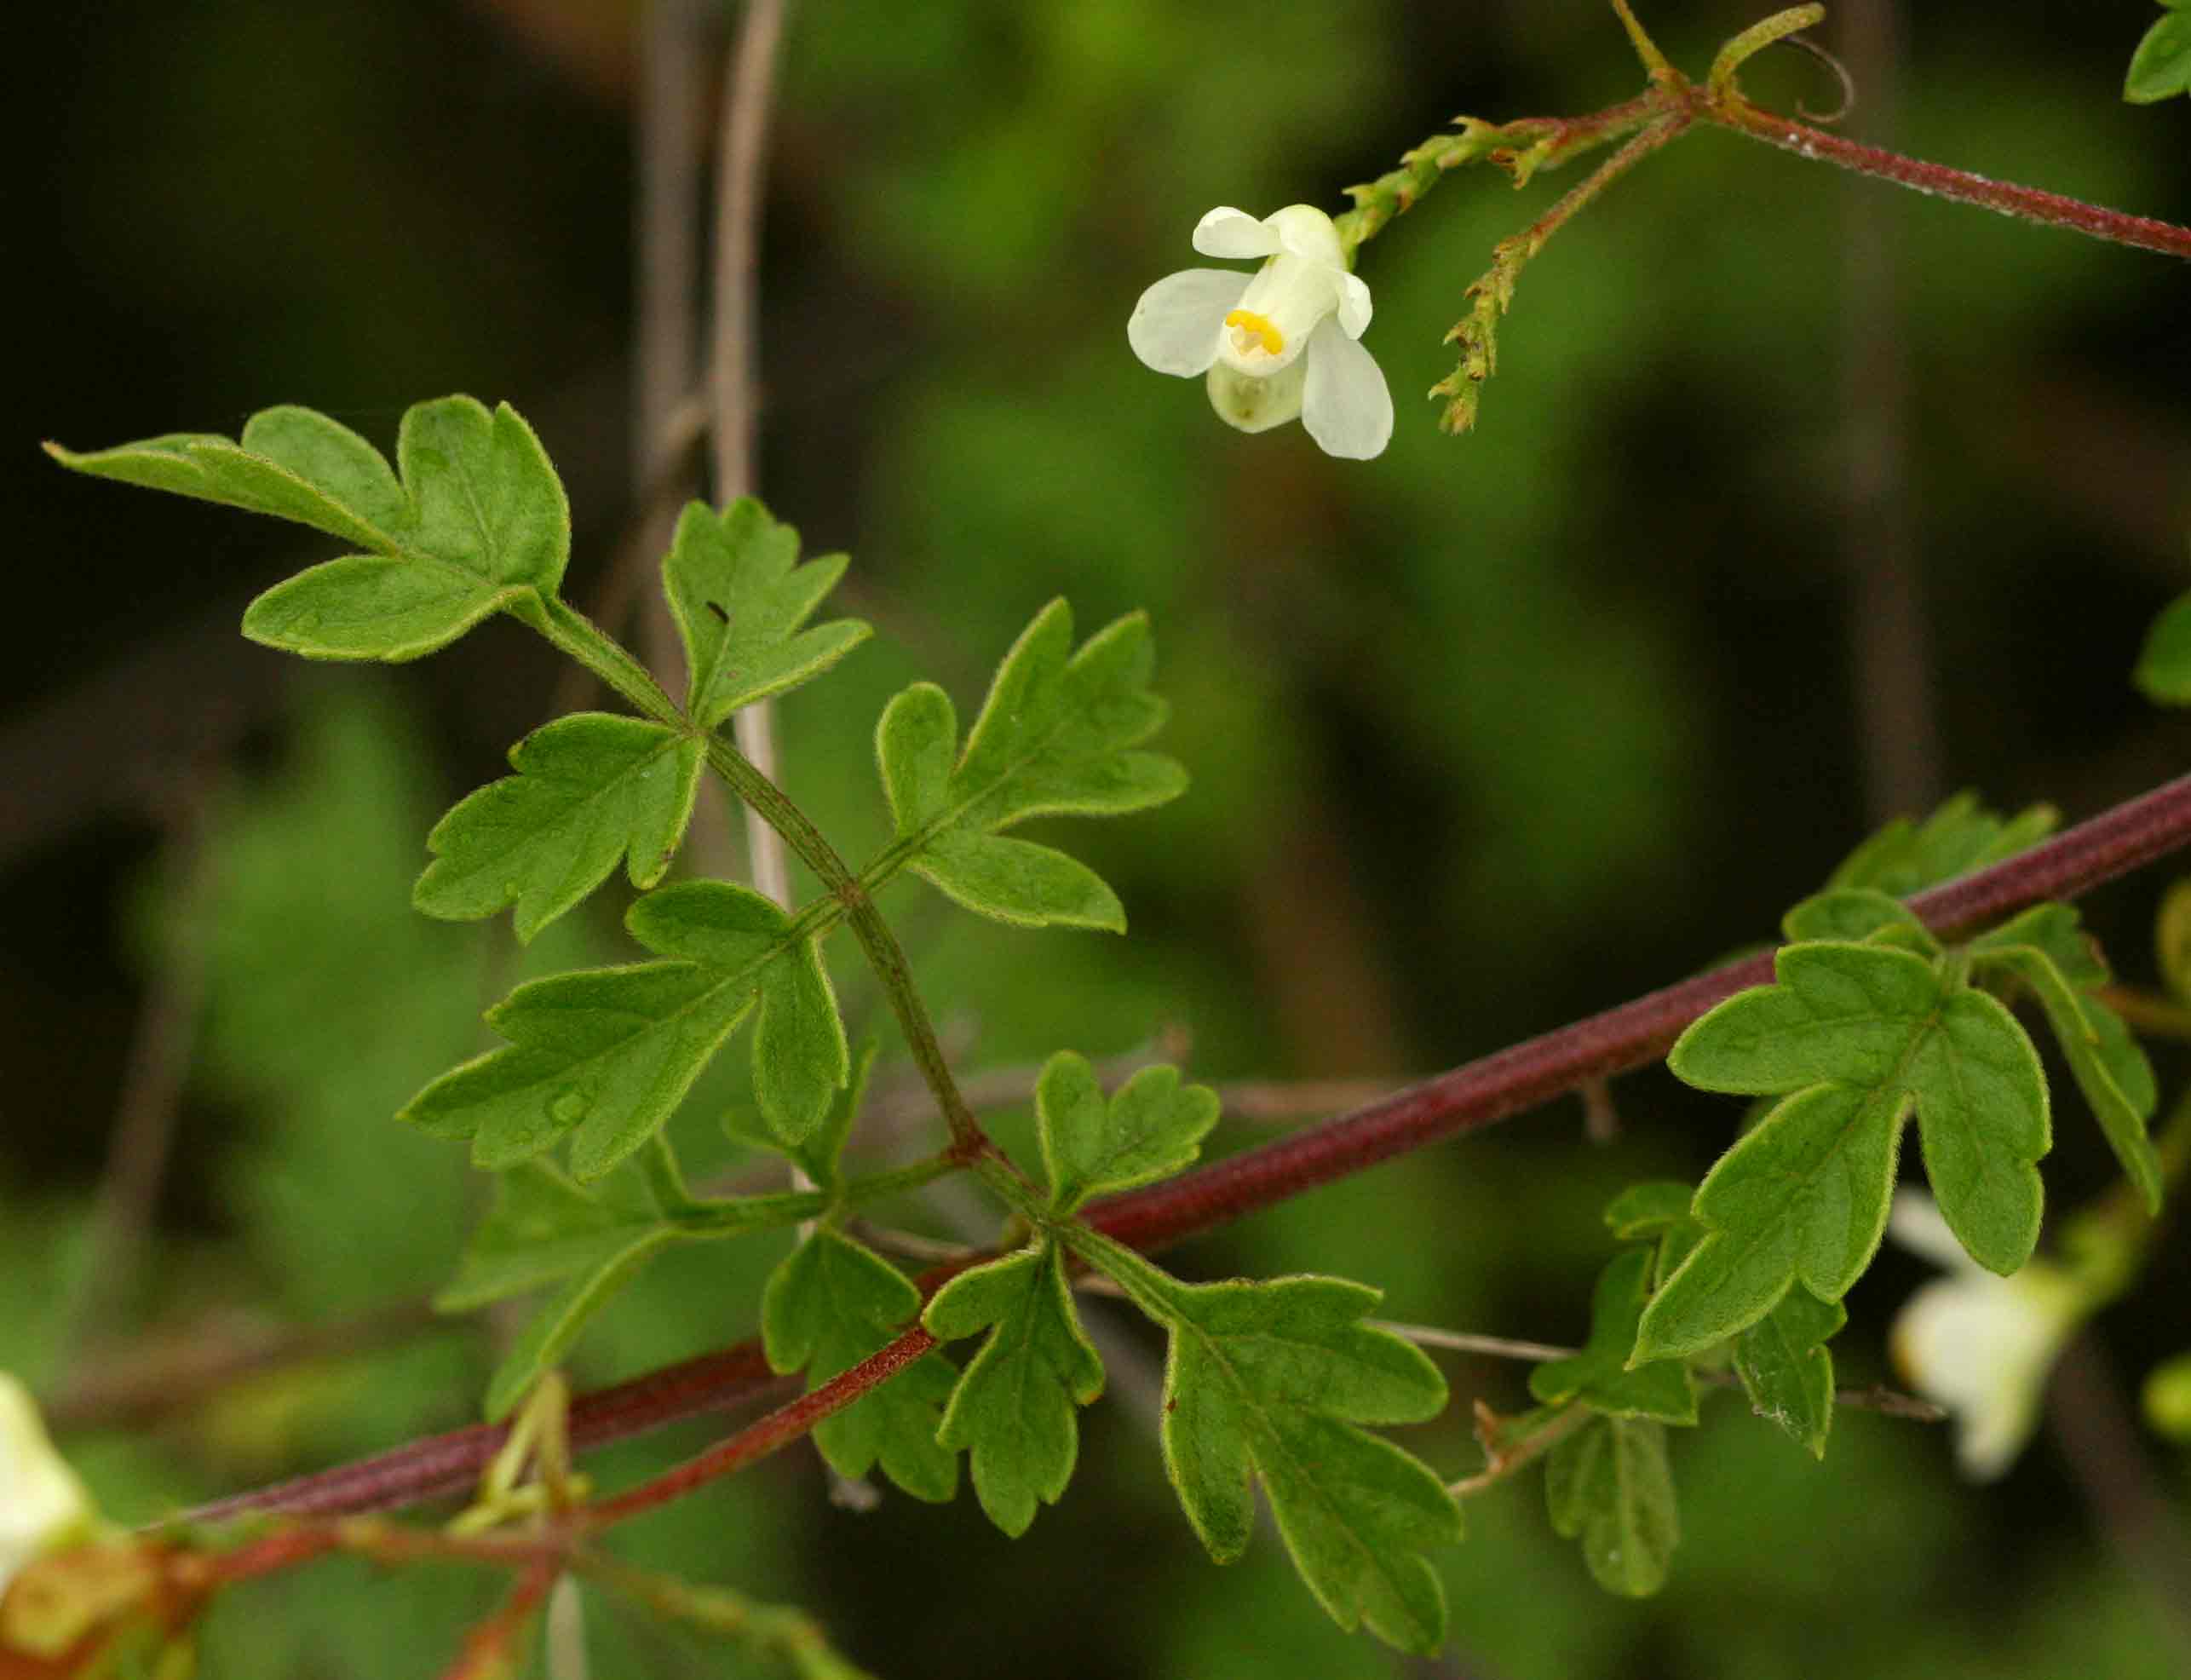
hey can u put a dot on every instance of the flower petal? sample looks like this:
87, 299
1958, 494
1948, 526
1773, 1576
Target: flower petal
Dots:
1354, 305
1253, 404
1174, 328
42, 1503
1226, 231
1345, 402
1305, 232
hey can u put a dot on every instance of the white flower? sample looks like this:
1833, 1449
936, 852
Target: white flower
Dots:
41, 1503
1978, 1344
1276, 343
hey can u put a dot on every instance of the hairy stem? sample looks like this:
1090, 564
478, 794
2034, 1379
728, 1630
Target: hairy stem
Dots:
1476, 332
885, 954
2026, 204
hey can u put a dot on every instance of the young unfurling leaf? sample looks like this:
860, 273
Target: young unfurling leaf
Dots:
1056, 735
542, 1230
478, 524
606, 1055
591, 789
740, 596
1015, 1407
2046, 949
1608, 1485
827, 1307
1855, 1037
1272, 1381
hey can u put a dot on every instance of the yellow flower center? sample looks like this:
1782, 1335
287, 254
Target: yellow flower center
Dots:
1251, 330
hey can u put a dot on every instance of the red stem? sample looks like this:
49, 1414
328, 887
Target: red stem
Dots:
2028, 203
1499, 1085
779, 1429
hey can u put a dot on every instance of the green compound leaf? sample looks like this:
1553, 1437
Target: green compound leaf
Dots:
1861, 915
1015, 1406
1091, 1146
548, 1335
1609, 1485
2045, 949
738, 594
542, 1228
827, 1307
478, 524
1598, 1376
1055, 736
1786, 1368
1271, 1380
590, 789
1859, 1035
2161, 65
606, 1055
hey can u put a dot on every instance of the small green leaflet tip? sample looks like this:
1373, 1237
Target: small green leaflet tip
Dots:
740, 597
478, 522
1056, 736
1016, 1406
1609, 1485
1091, 1145
2161, 65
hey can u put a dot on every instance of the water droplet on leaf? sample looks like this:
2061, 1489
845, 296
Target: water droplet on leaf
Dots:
568, 1108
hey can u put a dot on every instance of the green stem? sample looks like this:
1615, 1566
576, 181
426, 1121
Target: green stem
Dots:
585, 641
736, 1216
1477, 333
1146, 1284
578, 636
885, 954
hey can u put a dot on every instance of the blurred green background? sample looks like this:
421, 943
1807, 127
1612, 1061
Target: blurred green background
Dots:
1486, 735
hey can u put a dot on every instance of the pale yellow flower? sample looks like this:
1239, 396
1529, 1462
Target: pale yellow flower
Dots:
1275, 344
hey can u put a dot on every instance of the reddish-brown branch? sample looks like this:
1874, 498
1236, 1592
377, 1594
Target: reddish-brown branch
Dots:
779, 1429
1494, 1088
2027, 204
449, 1464
1526, 1074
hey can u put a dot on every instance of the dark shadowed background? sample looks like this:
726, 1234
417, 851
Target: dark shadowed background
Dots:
1797, 502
